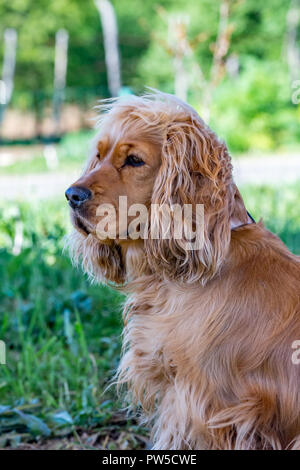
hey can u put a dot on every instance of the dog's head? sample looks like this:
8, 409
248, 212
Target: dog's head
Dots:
152, 151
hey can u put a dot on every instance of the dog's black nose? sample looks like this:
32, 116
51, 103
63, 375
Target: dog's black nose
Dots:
77, 195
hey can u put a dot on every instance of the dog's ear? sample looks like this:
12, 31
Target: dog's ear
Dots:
101, 262
195, 169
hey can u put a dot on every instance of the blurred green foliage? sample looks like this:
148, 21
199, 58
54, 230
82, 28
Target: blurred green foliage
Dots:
252, 110
72, 151
278, 208
62, 334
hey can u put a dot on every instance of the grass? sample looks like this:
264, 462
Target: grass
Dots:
279, 209
71, 153
63, 335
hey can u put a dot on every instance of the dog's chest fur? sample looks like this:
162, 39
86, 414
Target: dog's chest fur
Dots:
168, 361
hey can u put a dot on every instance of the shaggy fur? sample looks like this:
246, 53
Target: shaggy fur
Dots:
208, 333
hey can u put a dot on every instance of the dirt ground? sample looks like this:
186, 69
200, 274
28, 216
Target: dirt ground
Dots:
118, 435
89, 441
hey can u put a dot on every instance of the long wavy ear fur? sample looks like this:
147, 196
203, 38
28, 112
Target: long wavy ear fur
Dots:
195, 169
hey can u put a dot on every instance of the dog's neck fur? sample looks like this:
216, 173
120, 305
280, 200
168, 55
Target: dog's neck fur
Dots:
239, 215
235, 223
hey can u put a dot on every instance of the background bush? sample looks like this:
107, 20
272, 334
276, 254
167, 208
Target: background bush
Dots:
251, 110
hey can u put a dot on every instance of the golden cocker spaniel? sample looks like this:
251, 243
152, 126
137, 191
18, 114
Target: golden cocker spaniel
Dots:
208, 333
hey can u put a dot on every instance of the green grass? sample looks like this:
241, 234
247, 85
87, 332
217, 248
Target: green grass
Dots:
63, 334
279, 210
71, 153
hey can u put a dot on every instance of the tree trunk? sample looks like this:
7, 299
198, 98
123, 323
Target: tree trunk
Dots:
293, 50
110, 34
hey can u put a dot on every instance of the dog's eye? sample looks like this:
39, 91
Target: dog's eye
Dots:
132, 160
98, 156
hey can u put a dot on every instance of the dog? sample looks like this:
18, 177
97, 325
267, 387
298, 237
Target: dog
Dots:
208, 333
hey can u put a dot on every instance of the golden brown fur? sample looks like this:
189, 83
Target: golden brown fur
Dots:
208, 333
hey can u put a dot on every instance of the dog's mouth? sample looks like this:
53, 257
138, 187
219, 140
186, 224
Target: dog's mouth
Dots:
81, 225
